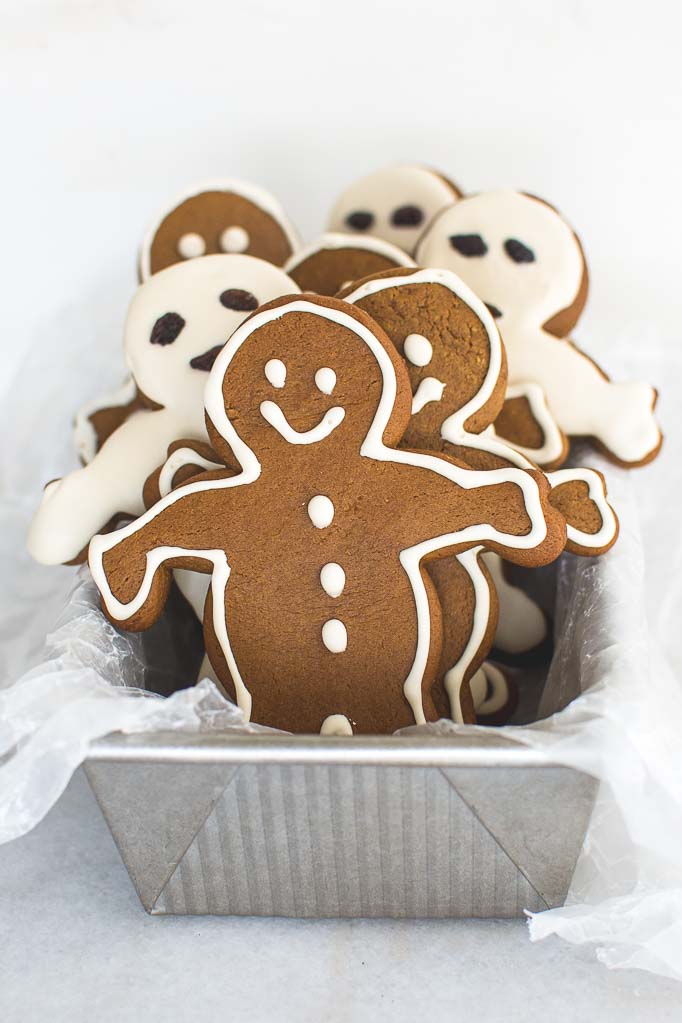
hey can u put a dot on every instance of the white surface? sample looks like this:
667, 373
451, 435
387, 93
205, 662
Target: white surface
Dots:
116, 105
80, 947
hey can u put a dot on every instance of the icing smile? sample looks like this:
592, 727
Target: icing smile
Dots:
206, 359
272, 414
430, 389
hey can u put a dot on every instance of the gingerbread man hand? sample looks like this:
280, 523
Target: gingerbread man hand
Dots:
177, 323
519, 255
316, 546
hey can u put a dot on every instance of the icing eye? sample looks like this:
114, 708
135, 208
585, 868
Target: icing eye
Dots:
240, 301
325, 380
166, 329
191, 245
519, 252
275, 372
407, 216
360, 220
468, 244
234, 239
418, 350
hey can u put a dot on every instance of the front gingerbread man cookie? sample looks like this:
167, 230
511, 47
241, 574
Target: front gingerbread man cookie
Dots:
319, 614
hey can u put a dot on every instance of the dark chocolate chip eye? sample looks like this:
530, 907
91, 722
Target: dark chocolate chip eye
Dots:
468, 244
519, 252
361, 220
493, 310
240, 301
166, 329
407, 216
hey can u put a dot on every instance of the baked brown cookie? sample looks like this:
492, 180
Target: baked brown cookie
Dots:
177, 323
457, 369
233, 217
336, 260
319, 609
395, 203
522, 258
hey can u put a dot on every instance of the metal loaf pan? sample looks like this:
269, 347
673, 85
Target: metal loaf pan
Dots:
304, 826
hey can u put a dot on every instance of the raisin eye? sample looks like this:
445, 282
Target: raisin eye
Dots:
361, 220
166, 329
468, 244
519, 252
407, 216
240, 301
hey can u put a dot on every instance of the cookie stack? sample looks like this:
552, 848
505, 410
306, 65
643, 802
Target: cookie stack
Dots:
336, 451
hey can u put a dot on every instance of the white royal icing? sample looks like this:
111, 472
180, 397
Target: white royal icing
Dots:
552, 447
418, 349
234, 239
492, 677
334, 636
336, 724
272, 414
386, 190
528, 294
325, 380
332, 579
258, 196
596, 492
454, 677
429, 389
177, 460
82, 502
84, 435
372, 447
275, 372
321, 511
191, 245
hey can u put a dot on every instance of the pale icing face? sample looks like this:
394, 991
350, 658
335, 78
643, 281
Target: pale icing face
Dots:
181, 317
396, 204
516, 253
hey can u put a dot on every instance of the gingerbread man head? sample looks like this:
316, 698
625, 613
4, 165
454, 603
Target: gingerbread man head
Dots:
181, 317
226, 216
318, 604
516, 253
396, 204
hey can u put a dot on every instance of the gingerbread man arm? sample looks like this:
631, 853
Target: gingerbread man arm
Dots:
584, 402
506, 510
183, 530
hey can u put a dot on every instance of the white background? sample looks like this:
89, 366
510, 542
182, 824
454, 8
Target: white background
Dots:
108, 108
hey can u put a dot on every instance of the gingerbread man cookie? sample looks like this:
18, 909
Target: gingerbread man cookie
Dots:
177, 323
395, 203
455, 359
315, 546
233, 217
336, 260
519, 255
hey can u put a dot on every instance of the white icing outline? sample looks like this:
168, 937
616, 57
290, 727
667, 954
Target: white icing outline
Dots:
177, 460
334, 240
372, 447
254, 193
552, 447
84, 435
454, 676
500, 690
596, 493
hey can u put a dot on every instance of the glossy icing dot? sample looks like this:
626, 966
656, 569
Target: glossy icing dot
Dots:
418, 350
325, 380
191, 245
321, 511
234, 239
334, 636
332, 579
276, 372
